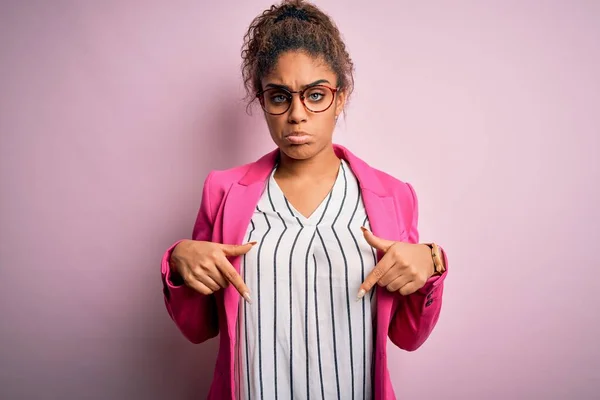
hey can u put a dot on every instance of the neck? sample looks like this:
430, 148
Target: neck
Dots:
321, 164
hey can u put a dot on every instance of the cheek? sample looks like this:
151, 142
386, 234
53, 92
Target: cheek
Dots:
275, 124
322, 125
327, 123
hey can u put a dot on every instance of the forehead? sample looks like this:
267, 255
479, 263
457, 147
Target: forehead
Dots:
296, 69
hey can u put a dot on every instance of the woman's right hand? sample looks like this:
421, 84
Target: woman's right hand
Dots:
205, 268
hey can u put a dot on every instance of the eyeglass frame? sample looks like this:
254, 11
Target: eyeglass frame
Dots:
261, 99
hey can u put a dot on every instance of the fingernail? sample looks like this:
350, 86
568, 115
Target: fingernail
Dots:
360, 295
247, 297
253, 243
364, 229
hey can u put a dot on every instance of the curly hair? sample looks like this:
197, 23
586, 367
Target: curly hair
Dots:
293, 25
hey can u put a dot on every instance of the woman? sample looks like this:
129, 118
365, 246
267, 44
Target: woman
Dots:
323, 248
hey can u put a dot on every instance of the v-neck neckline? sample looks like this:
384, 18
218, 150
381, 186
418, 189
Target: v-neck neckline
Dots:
318, 214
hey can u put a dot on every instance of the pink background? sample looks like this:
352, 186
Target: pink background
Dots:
112, 113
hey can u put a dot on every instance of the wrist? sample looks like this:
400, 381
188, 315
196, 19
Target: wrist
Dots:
436, 259
430, 263
175, 255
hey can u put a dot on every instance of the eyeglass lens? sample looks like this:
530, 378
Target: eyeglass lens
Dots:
278, 101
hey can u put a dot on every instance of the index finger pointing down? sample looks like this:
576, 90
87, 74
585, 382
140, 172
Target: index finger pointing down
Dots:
380, 269
229, 272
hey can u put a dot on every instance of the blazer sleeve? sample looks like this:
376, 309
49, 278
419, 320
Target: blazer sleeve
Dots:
416, 315
194, 314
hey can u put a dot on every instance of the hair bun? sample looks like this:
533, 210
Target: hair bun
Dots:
293, 12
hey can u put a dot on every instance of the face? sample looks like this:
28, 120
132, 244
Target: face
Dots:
298, 132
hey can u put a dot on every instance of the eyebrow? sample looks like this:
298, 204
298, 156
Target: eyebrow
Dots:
276, 86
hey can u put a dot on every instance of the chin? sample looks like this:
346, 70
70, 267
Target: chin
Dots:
299, 151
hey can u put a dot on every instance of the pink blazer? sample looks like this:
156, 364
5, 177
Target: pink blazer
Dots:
228, 201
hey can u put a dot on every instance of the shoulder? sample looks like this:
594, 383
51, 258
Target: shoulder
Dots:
218, 181
216, 185
398, 187
388, 179
403, 191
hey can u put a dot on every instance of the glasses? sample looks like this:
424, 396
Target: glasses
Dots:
277, 101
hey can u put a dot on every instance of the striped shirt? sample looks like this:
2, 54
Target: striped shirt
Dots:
305, 335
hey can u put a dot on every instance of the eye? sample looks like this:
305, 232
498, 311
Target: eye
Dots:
315, 96
278, 98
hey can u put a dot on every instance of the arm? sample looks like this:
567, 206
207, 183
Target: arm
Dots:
416, 315
194, 314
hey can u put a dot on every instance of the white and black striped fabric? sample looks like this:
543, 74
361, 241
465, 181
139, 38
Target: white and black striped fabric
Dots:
305, 336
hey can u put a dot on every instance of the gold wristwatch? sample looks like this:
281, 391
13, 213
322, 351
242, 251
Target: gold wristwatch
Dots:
438, 260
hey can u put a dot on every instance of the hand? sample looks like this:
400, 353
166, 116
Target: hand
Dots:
205, 268
404, 268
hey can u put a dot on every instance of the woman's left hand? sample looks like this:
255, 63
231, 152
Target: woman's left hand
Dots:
404, 268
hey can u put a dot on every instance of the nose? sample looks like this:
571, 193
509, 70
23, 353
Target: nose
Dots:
297, 113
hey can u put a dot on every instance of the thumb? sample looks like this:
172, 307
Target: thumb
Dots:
233, 250
374, 241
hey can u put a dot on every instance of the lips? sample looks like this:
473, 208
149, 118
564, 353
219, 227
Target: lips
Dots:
297, 137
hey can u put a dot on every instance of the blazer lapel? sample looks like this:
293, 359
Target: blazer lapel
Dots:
384, 220
237, 213
239, 206
238, 209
